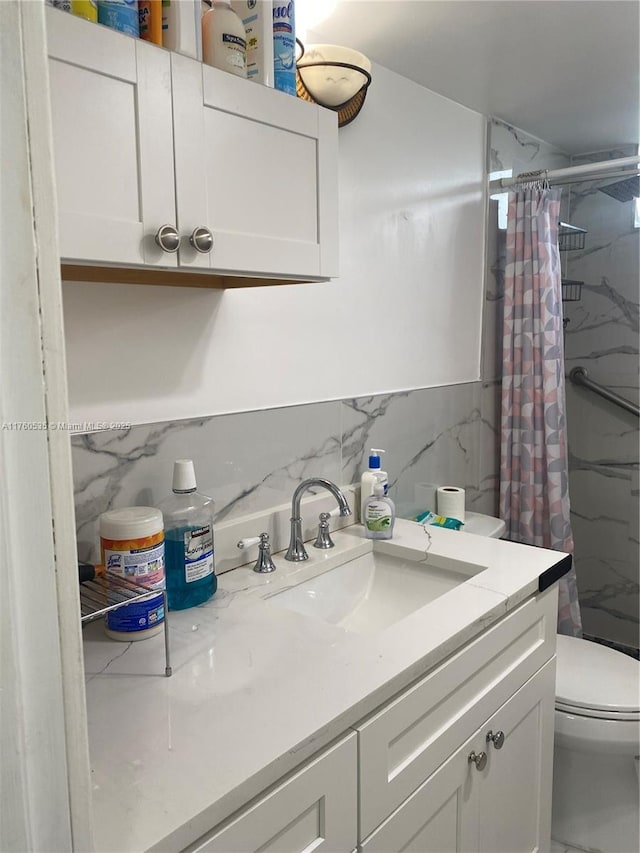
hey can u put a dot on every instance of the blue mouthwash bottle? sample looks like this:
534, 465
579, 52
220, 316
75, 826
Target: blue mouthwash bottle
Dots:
188, 541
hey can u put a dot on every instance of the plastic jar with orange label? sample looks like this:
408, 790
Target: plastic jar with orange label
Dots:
132, 546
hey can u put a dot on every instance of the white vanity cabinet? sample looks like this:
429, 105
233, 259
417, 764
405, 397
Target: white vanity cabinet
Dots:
403, 744
485, 799
459, 761
514, 789
143, 138
315, 809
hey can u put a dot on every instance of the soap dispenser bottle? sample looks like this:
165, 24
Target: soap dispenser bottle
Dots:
224, 39
379, 514
188, 541
374, 474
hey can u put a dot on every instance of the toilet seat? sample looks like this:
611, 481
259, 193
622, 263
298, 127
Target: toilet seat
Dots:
597, 714
596, 681
593, 734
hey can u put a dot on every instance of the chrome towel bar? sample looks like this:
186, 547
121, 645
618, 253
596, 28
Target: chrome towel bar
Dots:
579, 376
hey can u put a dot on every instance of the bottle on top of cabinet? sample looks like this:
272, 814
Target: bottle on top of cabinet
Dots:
189, 553
182, 27
150, 20
224, 42
284, 46
257, 17
83, 8
121, 15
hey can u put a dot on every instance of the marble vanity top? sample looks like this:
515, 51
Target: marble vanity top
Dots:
256, 689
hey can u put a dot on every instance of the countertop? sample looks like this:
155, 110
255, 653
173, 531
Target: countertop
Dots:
257, 689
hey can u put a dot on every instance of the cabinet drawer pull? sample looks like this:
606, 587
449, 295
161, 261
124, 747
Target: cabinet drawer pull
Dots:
480, 760
168, 239
201, 239
497, 739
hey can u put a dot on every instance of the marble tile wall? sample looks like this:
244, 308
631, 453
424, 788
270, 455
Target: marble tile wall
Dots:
602, 336
251, 461
512, 149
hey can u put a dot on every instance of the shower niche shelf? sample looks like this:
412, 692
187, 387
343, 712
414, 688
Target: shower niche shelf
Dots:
571, 290
570, 237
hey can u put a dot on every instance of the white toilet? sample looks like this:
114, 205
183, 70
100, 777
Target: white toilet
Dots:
597, 734
595, 764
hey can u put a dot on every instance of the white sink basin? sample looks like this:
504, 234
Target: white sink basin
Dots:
371, 592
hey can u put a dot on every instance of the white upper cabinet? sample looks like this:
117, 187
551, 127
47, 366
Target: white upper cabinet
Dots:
144, 138
112, 143
255, 167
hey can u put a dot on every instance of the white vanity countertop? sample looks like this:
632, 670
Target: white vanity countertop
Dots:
257, 689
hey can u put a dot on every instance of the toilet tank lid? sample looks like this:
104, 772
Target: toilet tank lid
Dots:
483, 525
590, 675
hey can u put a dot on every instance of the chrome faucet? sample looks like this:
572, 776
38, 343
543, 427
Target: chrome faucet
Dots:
296, 551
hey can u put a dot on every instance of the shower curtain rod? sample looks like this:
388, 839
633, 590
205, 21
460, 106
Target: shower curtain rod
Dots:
587, 172
621, 173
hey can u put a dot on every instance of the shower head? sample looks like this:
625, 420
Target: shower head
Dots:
625, 190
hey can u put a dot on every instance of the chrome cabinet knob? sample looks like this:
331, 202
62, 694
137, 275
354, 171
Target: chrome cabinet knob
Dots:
497, 739
168, 239
480, 760
201, 239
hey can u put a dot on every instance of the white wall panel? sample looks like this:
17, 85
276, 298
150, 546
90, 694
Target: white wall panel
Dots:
405, 312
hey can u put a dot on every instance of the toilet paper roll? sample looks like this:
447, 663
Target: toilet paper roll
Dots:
451, 502
424, 495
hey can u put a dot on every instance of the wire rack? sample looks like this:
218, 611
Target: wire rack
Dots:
570, 237
571, 290
109, 592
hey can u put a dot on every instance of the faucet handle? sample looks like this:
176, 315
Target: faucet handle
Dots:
264, 563
323, 539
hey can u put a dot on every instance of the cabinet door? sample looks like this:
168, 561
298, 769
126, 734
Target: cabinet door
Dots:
315, 809
504, 807
406, 741
112, 143
440, 817
515, 795
258, 168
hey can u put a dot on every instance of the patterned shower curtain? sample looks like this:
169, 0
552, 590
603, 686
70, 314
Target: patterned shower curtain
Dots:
534, 479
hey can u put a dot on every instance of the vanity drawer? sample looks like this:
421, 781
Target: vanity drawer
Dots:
404, 743
314, 809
